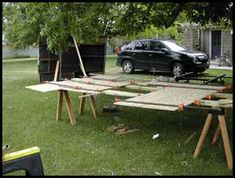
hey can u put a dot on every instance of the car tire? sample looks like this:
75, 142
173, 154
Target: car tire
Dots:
177, 69
128, 67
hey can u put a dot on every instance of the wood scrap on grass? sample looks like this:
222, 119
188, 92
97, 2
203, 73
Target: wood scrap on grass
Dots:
121, 129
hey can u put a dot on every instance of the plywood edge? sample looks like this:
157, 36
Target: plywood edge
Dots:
146, 106
121, 93
43, 87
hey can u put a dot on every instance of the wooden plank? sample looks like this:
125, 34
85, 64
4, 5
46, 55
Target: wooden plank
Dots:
203, 135
78, 90
183, 85
223, 95
112, 84
59, 105
46, 87
106, 77
146, 106
79, 57
171, 96
143, 88
220, 103
227, 148
88, 95
51, 87
56, 70
121, 93
76, 85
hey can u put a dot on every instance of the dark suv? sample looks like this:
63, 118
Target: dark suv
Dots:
160, 55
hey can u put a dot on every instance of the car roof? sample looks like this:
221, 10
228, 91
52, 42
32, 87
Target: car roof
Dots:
155, 39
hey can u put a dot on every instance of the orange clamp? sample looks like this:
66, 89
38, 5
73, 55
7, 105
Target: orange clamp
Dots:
133, 82
181, 107
114, 87
197, 102
209, 96
76, 87
116, 99
228, 87
220, 90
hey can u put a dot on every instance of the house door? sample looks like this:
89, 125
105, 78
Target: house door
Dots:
216, 43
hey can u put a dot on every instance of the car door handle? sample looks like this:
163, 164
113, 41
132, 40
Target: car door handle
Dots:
150, 55
133, 54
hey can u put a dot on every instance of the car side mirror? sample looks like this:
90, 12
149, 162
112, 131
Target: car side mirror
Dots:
165, 50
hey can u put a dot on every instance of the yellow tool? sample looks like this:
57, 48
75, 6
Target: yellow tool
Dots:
28, 160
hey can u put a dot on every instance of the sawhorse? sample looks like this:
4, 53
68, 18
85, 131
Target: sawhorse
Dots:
70, 108
221, 128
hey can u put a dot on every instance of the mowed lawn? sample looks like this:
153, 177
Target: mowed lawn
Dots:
88, 148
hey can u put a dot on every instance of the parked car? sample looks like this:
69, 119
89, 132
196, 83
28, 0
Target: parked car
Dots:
160, 55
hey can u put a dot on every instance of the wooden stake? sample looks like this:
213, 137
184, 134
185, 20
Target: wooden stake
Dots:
203, 135
69, 108
59, 105
82, 103
227, 148
80, 59
56, 70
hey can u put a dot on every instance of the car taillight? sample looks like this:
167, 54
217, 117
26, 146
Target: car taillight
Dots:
118, 50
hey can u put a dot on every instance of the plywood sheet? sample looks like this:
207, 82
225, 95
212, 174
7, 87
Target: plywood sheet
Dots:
46, 87
147, 106
113, 84
172, 96
81, 86
183, 85
51, 87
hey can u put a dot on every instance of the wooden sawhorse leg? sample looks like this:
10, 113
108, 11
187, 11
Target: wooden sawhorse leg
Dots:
82, 103
217, 132
93, 105
203, 135
224, 133
68, 106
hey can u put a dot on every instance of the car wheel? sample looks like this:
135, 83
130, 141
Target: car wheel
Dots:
177, 69
128, 66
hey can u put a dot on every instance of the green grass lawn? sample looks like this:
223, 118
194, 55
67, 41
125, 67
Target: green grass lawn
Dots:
88, 149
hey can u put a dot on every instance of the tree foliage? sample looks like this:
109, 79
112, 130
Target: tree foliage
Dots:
23, 22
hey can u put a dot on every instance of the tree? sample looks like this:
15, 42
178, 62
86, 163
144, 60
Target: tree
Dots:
23, 23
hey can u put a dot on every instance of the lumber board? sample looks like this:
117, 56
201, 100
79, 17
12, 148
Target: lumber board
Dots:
76, 85
146, 106
121, 93
183, 85
45, 87
143, 88
172, 96
224, 95
106, 77
220, 103
78, 90
113, 84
